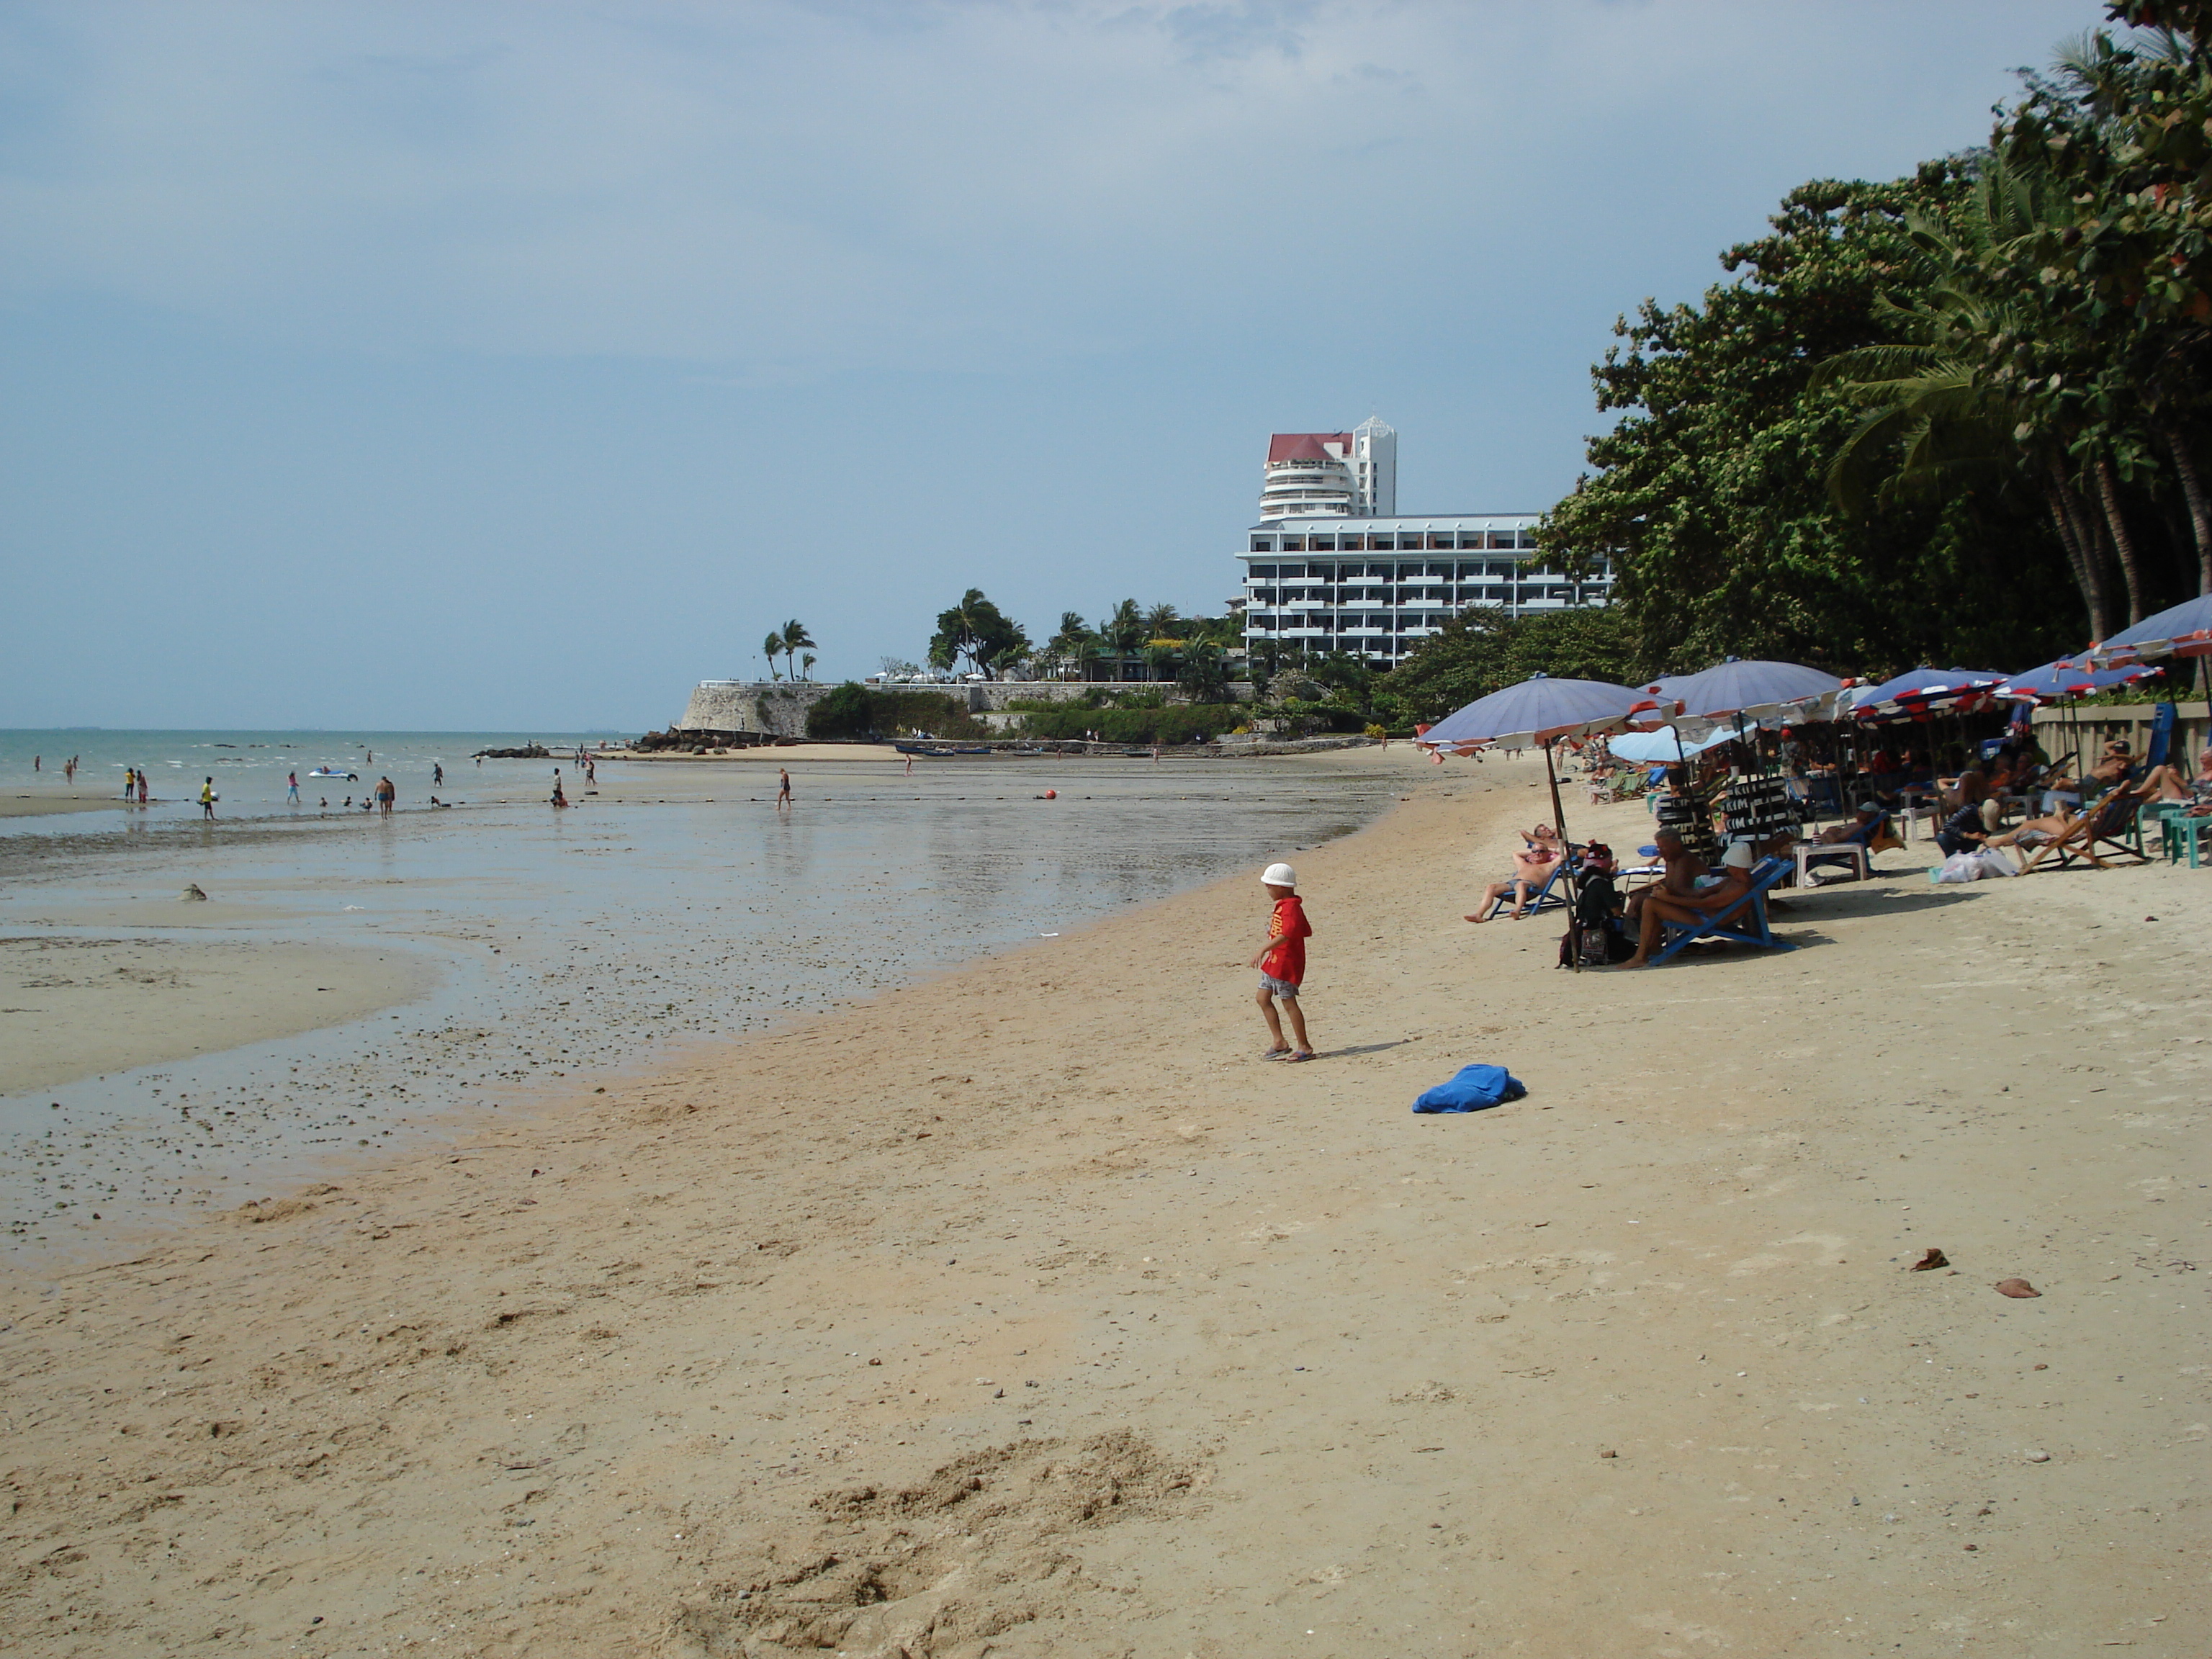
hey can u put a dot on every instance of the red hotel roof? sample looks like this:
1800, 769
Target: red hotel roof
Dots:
1307, 446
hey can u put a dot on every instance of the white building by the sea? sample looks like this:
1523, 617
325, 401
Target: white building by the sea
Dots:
1333, 566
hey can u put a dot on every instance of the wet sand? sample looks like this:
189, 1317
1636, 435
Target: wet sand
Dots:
76, 1007
1027, 1311
41, 798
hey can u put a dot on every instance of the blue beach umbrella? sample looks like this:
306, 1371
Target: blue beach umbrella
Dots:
1656, 748
2066, 678
1922, 689
1755, 688
2181, 630
1536, 713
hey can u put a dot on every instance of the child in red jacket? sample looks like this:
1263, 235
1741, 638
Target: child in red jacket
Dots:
1282, 961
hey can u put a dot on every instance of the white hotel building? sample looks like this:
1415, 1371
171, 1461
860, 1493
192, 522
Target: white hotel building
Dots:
1333, 566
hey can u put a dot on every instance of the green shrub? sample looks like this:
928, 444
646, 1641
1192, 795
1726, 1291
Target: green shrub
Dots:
854, 711
1171, 725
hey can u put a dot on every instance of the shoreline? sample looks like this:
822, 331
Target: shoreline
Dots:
635, 1375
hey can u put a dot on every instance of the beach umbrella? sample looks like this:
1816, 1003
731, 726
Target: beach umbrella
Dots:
2181, 630
1916, 693
1655, 748
1757, 688
2066, 678
1537, 712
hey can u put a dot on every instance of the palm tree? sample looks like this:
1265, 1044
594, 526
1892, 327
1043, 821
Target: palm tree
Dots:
796, 639
773, 647
806, 663
1987, 387
1160, 621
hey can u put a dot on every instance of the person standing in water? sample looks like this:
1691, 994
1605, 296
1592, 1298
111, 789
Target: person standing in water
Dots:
130, 781
292, 788
783, 789
142, 785
437, 774
207, 798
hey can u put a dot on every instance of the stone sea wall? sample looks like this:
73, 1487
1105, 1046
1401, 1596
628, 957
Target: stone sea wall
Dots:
778, 707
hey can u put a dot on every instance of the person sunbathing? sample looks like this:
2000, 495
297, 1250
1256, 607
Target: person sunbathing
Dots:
1541, 853
1837, 834
1660, 906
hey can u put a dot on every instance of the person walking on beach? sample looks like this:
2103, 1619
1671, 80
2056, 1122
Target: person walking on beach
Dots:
1282, 962
590, 773
783, 789
387, 792
437, 774
292, 788
560, 797
207, 798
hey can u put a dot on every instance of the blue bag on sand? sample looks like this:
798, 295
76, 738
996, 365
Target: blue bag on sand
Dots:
1475, 1088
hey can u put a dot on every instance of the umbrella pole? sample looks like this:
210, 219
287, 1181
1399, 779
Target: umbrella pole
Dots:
1567, 852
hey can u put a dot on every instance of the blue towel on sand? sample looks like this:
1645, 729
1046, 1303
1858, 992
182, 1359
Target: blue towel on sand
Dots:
1475, 1088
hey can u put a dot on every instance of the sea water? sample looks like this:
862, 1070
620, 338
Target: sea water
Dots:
569, 946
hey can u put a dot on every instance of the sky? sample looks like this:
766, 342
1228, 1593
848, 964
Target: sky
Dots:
480, 366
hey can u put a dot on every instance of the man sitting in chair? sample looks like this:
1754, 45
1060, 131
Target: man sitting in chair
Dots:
1659, 906
1682, 867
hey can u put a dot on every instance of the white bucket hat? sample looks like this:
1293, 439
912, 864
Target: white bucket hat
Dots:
1280, 875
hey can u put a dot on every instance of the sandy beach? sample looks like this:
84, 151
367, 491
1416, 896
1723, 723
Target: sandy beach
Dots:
1027, 1311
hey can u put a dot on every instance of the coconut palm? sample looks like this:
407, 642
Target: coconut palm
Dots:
772, 647
796, 639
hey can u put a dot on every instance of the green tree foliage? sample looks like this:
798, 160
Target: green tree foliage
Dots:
772, 647
854, 711
1481, 650
977, 629
1710, 497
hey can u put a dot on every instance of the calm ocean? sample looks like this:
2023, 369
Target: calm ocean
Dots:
678, 906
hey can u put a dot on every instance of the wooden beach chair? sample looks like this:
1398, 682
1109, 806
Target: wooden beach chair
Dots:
1743, 922
2114, 823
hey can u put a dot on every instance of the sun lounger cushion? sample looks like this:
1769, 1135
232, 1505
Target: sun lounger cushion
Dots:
1476, 1088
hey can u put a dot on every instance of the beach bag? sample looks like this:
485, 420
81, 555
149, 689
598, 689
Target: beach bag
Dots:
1992, 863
1476, 1089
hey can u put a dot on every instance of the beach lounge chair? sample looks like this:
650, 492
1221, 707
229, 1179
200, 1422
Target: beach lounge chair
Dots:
1552, 895
2113, 823
1743, 922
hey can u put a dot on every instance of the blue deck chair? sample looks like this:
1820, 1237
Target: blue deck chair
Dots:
1544, 898
1743, 922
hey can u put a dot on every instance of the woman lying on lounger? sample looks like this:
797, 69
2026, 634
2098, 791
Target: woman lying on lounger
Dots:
1531, 867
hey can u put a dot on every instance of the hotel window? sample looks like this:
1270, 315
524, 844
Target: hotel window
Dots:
1501, 541
1298, 543
1443, 541
1528, 541
1263, 573
1321, 544
1290, 572
1351, 543
1263, 544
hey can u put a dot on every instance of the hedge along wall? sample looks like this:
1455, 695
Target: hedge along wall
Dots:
854, 711
1183, 723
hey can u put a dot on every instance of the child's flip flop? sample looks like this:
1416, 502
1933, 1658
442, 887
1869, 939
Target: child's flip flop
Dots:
1302, 1054
1270, 1054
